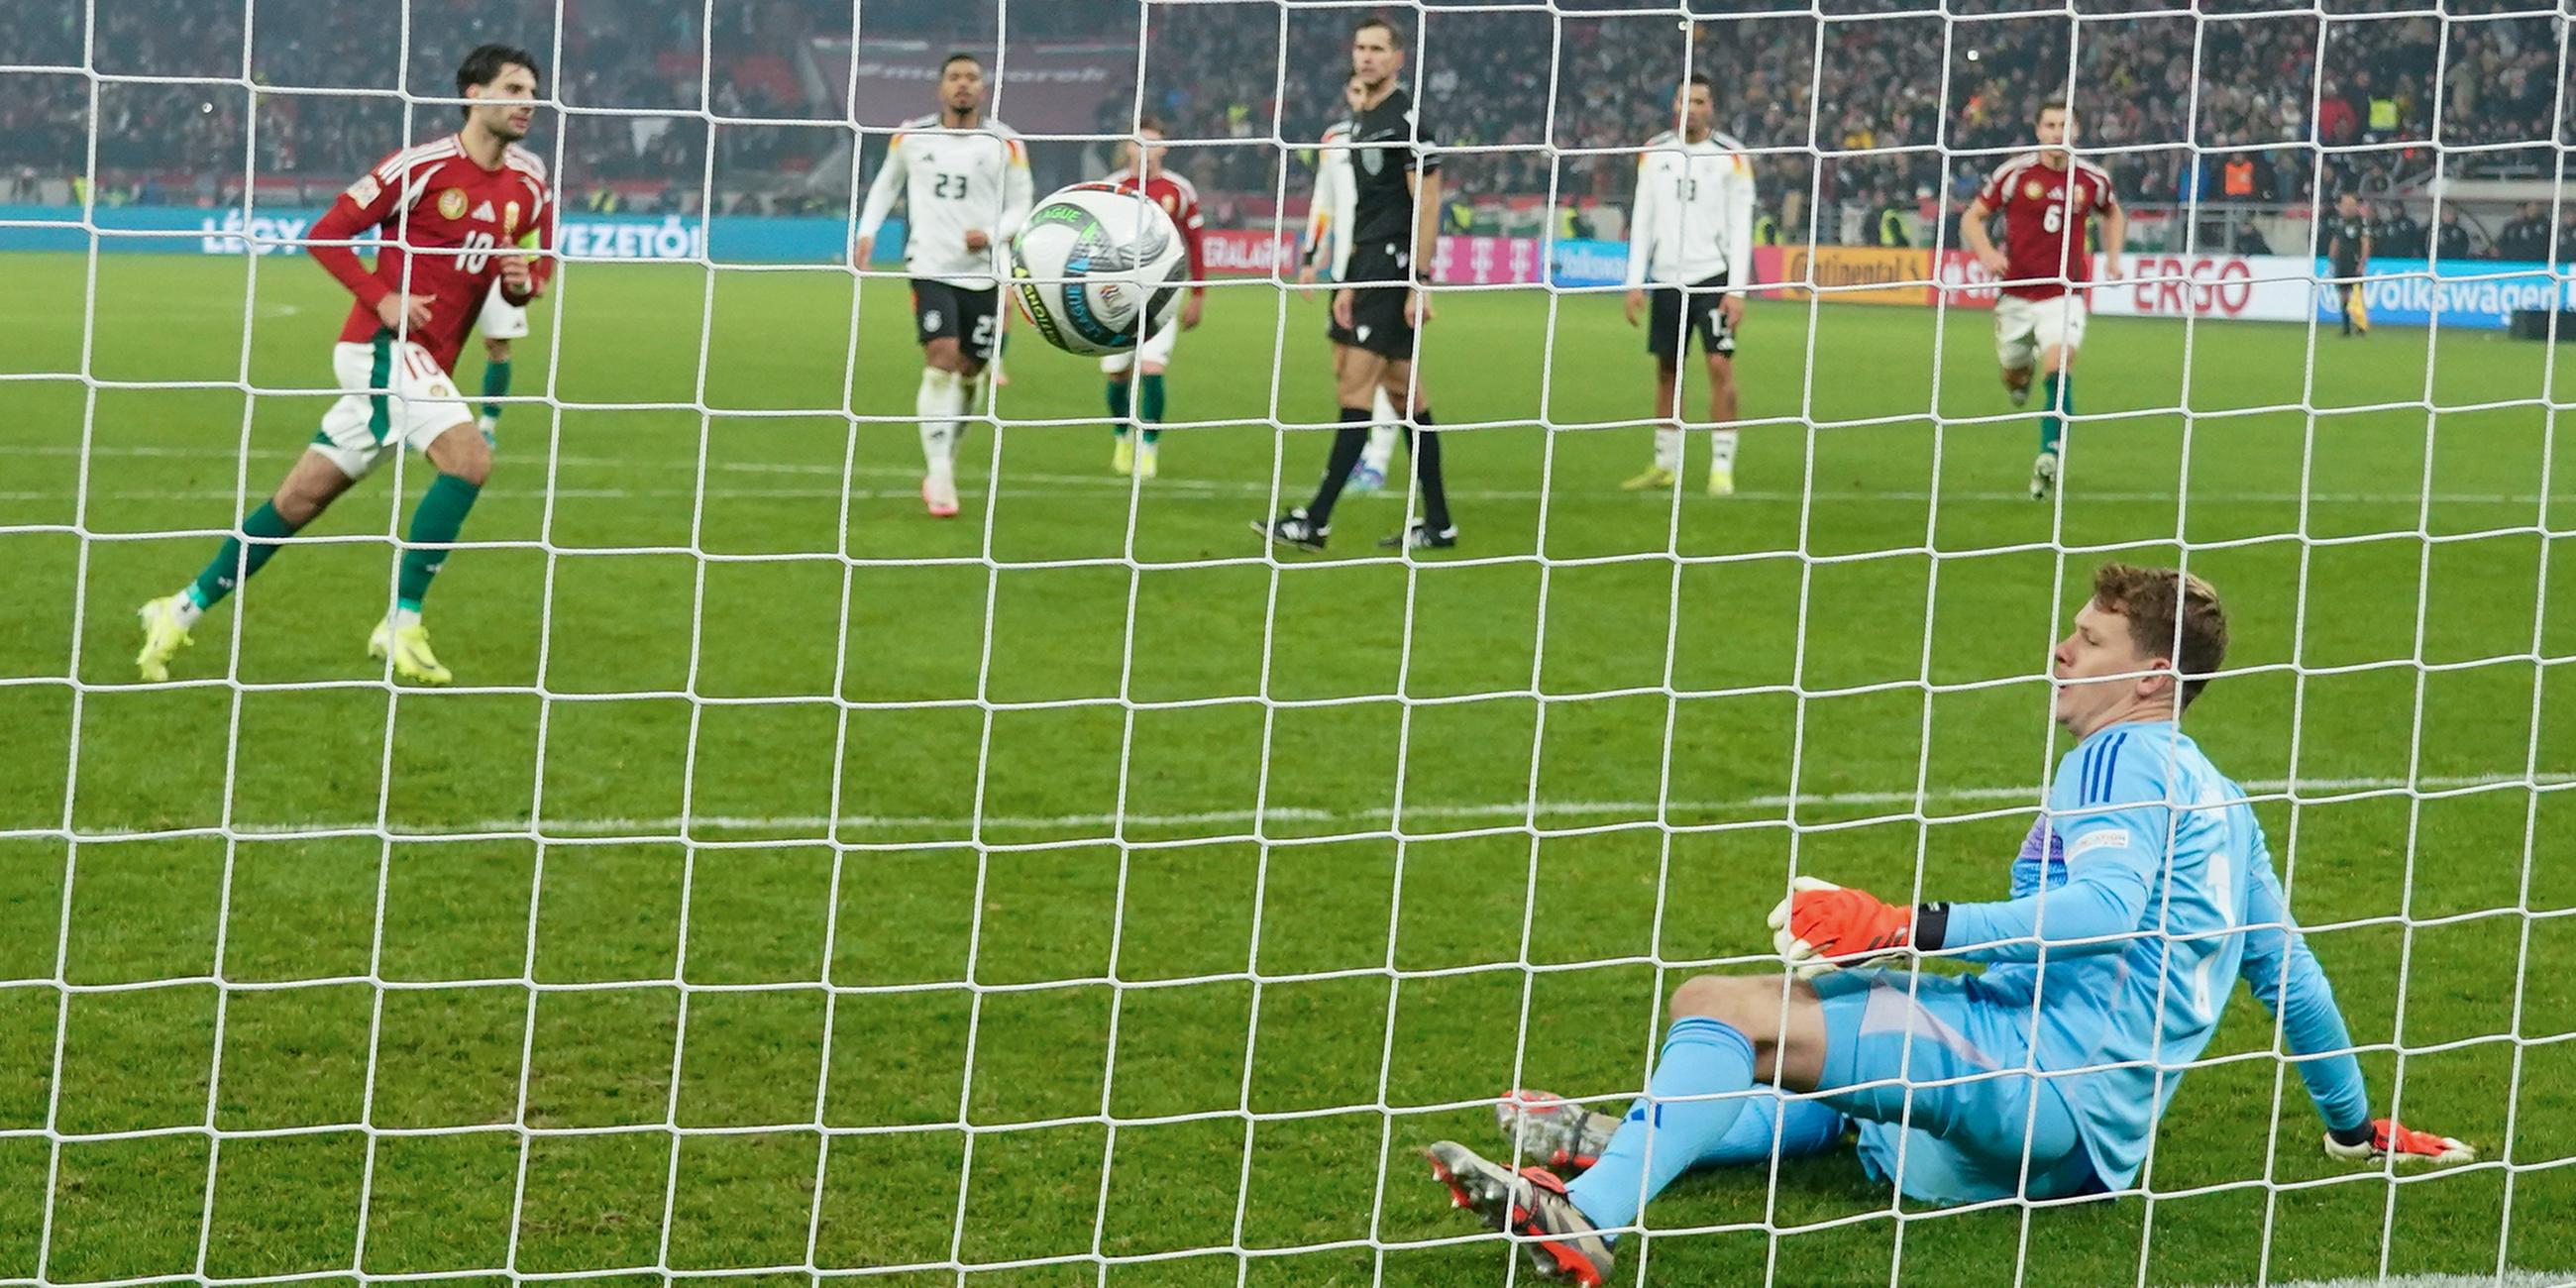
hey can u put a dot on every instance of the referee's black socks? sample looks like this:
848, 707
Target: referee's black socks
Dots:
1349, 443
1423, 446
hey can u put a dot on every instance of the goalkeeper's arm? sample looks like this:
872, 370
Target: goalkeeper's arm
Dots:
1822, 926
2287, 980
2291, 985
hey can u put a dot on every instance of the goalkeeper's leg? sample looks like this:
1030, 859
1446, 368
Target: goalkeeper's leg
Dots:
1728, 1034
308, 490
1882, 1035
1701, 1106
1541, 1127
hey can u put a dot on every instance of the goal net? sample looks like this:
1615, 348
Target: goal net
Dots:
794, 886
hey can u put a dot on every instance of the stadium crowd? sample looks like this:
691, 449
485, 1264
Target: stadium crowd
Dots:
1878, 103
2255, 89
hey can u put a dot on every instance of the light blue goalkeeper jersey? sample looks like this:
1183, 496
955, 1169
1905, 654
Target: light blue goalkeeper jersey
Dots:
2141, 896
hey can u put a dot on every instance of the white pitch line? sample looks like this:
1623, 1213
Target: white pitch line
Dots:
1195, 490
1642, 810
2509, 1279
1017, 482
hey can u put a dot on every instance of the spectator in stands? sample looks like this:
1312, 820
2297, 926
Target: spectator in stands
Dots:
2450, 240
2338, 124
1591, 80
2237, 179
2400, 237
2526, 236
2567, 235
1889, 221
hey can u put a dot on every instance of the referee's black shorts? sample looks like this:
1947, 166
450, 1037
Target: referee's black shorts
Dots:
1380, 278
1677, 313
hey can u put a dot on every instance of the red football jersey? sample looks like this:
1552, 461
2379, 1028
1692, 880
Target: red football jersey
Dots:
1180, 200
2045, 213
436, 198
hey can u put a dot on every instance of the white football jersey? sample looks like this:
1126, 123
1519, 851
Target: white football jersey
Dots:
1336, 201
1693, 215
953, 181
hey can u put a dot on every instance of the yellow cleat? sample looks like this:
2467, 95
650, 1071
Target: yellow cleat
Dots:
409, 648
163, 637
1148, 460
1653, 479
1721, 480
1122, 455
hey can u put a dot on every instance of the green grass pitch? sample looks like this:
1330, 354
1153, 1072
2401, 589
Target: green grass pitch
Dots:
911, 746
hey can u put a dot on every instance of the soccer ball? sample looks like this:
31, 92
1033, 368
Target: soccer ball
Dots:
1094, 269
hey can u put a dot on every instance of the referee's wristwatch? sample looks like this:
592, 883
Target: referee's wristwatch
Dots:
1422, 279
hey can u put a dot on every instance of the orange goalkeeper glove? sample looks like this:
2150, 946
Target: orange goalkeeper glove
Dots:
2390, 1138
1822, 926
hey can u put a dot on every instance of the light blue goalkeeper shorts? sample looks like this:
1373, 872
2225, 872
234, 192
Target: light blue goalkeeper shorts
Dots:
1928, 1068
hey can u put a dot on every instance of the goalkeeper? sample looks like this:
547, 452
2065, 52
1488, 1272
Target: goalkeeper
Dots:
2143, 893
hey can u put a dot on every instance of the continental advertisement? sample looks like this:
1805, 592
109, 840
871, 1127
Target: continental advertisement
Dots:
1847, 274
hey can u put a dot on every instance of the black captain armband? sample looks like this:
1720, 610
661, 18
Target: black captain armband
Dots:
1931, 925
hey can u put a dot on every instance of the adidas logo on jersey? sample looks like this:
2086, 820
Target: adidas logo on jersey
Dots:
484, 212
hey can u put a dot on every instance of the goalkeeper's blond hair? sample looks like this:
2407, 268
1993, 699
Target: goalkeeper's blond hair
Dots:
2171, 613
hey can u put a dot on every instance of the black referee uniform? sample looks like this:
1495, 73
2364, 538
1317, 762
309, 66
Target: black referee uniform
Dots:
1385, 155
2344, 251
1386, 144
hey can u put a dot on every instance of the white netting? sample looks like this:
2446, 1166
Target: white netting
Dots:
791, 886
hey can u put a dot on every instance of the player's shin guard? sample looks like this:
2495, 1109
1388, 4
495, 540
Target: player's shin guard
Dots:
235, 562
2059, 388
1348, 442
938, 404
496, 384
1149, 405
1702, 1056
1118, 403
437, 520
1424, 444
